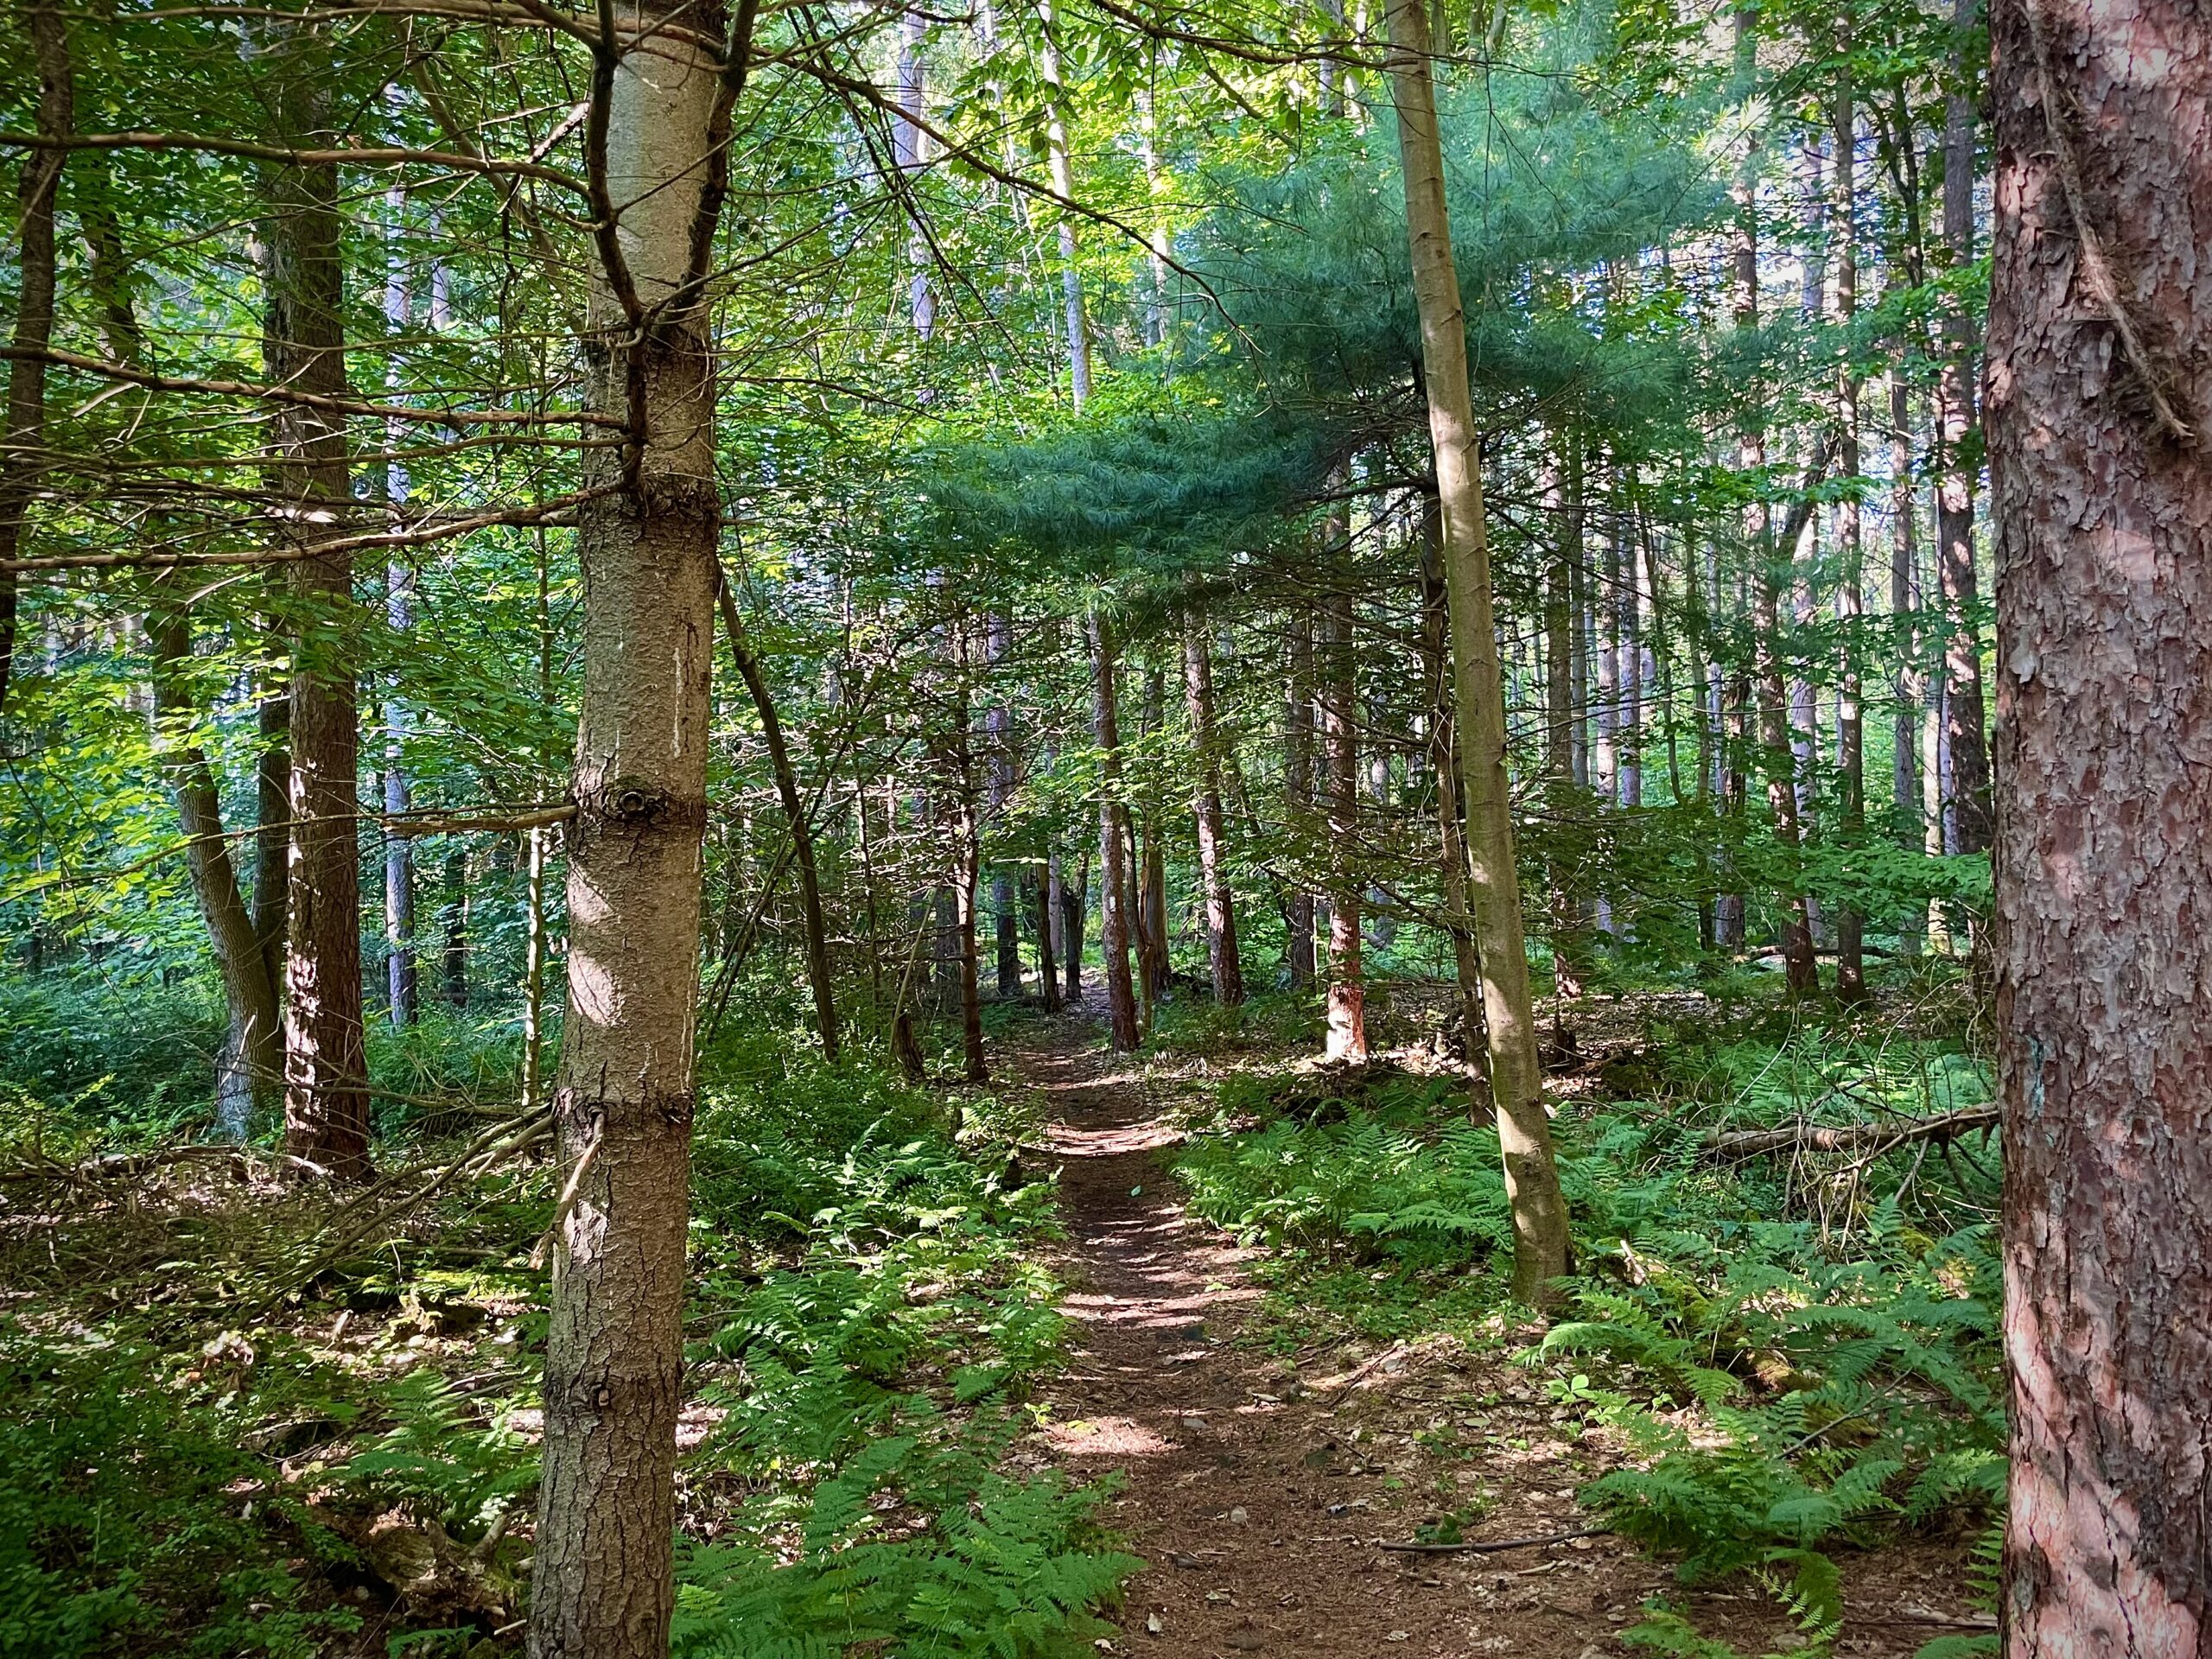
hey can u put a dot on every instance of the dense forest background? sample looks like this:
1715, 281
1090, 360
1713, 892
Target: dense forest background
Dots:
599, 604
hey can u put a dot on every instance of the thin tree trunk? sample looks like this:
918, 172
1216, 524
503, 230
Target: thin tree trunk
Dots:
1075, 904
1564, 496
1967, 799
1297, 791
819, 972
1213, 852
1539, 1210
326, 1061
602, 1586
401, 985
247, 1084
1113, 888
272, 833
37, 186
2099, 406
1153, 954
1048, 966
1062, 168
1850, 596
1444, 755
967, 891
1347, 1006
454, 948
999, 760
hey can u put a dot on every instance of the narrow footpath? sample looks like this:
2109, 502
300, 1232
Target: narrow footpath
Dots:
1260, 1489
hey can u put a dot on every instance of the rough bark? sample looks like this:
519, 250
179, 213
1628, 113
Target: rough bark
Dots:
1539, 1210
602, 1586
37, 186
1213, 850
2098, 396
1113, 883
1347, 998
818, 967
326, 1061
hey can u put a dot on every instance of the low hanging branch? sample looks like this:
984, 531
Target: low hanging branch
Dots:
1802, 1136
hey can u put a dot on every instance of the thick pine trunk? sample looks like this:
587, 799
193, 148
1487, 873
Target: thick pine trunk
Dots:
1213, 850
1347, 1005
37, 186
2099, 404
1113, 880
602, 1586
1539, 1210
326, 1061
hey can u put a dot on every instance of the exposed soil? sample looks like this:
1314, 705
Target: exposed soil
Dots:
1258, 1487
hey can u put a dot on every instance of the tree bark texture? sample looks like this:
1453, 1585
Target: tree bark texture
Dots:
1297, 791
1539, 1210
602, 1586
2098, 392
37, 186
325, 1060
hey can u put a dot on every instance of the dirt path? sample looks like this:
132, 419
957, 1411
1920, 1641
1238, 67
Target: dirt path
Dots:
1258, 1488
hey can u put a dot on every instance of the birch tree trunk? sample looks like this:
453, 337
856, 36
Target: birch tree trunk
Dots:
602, 1586
1539, 1210
2099, 400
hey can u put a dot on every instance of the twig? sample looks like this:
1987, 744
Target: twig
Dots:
1408, 1548
1809, 1137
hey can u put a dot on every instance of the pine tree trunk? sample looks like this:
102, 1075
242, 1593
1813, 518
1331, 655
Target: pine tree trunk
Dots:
1850, 597
1569, 948
1347, 1002
1153, 954
1967, 799
1539, 1210
1075, 904
37, 185
602, 1586
326, 1061
1444, 756
1298, 792
1113, 885
2099, 402
1213, 851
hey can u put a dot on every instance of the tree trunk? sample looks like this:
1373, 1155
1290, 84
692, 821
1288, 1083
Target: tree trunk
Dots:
1347, 1008
1153, 959
326, 1061
1298, 792
2098, 397
602, 1586
1850, 597
272, 831
818, 968
1075, 903
1539, 1210
1048, 966
1213, 851
246, 1084
1444, 756
37, 186
999, 758
399, 850
455, 916
1561, 658
1968, 798
1113, 924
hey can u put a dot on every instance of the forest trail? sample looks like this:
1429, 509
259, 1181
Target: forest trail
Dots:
1257, 1492
1258, 1488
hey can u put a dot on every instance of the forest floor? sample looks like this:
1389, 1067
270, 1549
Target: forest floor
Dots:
1262, 1476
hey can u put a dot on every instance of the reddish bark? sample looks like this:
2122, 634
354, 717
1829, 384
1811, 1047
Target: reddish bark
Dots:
2098, 384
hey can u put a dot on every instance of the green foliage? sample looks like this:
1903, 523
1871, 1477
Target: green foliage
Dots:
438, 1459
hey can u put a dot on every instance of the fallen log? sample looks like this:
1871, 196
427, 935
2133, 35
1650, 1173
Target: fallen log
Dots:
1802, 1136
